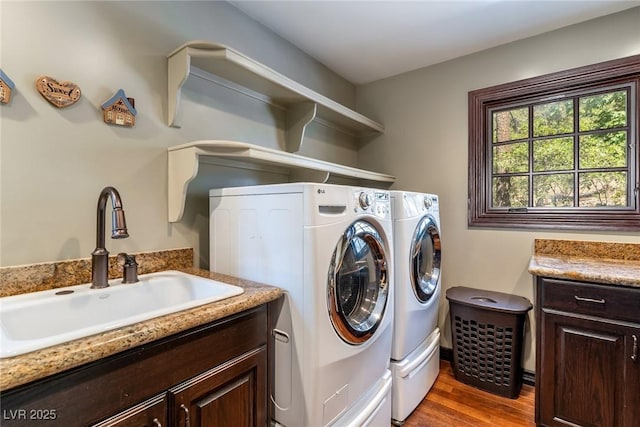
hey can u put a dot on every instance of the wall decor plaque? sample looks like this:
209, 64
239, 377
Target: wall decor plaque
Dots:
119, 110
60, 94
6, 86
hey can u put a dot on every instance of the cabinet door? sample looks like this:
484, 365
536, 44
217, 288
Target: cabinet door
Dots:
150, 413
632, 379
587, 375
232, 394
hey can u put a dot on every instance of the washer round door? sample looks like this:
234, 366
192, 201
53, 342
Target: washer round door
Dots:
358, 286
425, 259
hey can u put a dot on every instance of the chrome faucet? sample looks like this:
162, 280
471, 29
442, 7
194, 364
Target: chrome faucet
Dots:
100, 255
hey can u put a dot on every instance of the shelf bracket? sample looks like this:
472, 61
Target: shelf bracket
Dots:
179, 67
182, 169
298, 117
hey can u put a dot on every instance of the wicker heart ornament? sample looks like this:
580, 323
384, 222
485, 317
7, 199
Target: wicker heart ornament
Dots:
60, 94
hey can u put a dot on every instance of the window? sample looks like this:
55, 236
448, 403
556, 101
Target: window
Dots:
557, 151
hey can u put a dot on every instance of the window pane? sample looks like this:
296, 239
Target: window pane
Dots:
510, 125
608, 150
553, 118
553, 154
599, 189
554, 190
605, 111
510, 192
581, 191
511, 158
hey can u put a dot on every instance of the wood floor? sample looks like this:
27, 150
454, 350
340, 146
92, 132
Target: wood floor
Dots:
451, 403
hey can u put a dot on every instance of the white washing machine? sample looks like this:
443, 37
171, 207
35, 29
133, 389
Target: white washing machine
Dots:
415, 354
330, 248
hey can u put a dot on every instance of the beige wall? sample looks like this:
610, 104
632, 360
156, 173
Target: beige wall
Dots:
425, 145
54, 162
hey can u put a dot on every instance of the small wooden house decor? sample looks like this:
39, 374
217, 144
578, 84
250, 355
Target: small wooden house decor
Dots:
6, 86
120, 110
60, 94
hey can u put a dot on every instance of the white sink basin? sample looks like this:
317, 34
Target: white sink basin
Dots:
37, 320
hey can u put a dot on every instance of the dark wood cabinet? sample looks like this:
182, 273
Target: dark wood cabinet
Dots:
225, 396
216, 373
588, 372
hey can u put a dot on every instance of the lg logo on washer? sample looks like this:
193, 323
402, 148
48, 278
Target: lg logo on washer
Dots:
320, 191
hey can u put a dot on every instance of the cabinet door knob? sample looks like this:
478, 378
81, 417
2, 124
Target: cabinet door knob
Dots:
634, 349
187, 422
156, 423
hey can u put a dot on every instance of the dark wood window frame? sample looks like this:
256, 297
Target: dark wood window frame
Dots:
481, 214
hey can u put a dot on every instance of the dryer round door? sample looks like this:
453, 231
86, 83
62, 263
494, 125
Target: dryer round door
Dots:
425, 259
358, 286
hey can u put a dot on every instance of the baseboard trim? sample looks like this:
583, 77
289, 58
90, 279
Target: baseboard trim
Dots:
528, 377
446, 354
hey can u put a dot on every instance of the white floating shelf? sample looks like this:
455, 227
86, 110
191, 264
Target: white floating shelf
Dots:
303, 104
184, 161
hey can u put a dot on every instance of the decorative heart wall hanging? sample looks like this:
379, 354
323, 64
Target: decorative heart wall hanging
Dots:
59, 94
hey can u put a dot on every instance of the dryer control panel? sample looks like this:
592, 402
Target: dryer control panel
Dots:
418, 204
373, 202
431, 202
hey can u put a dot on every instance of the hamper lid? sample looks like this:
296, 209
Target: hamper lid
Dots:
490, 300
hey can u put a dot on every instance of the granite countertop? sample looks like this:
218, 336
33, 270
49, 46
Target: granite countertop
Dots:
35, 365
599, 262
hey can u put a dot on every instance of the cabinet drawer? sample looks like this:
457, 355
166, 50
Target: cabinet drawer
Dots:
152, 413
610, 301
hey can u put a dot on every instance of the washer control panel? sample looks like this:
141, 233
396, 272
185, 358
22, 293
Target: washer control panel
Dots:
374, 202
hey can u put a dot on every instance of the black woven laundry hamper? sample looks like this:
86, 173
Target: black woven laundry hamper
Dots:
488, 329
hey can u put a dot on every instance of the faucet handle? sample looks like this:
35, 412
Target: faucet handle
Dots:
124, 258
129, 267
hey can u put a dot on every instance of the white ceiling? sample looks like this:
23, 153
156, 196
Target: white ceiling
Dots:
367, 40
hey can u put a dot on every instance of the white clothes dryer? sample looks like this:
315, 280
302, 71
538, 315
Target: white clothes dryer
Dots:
415, 354
330, 248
